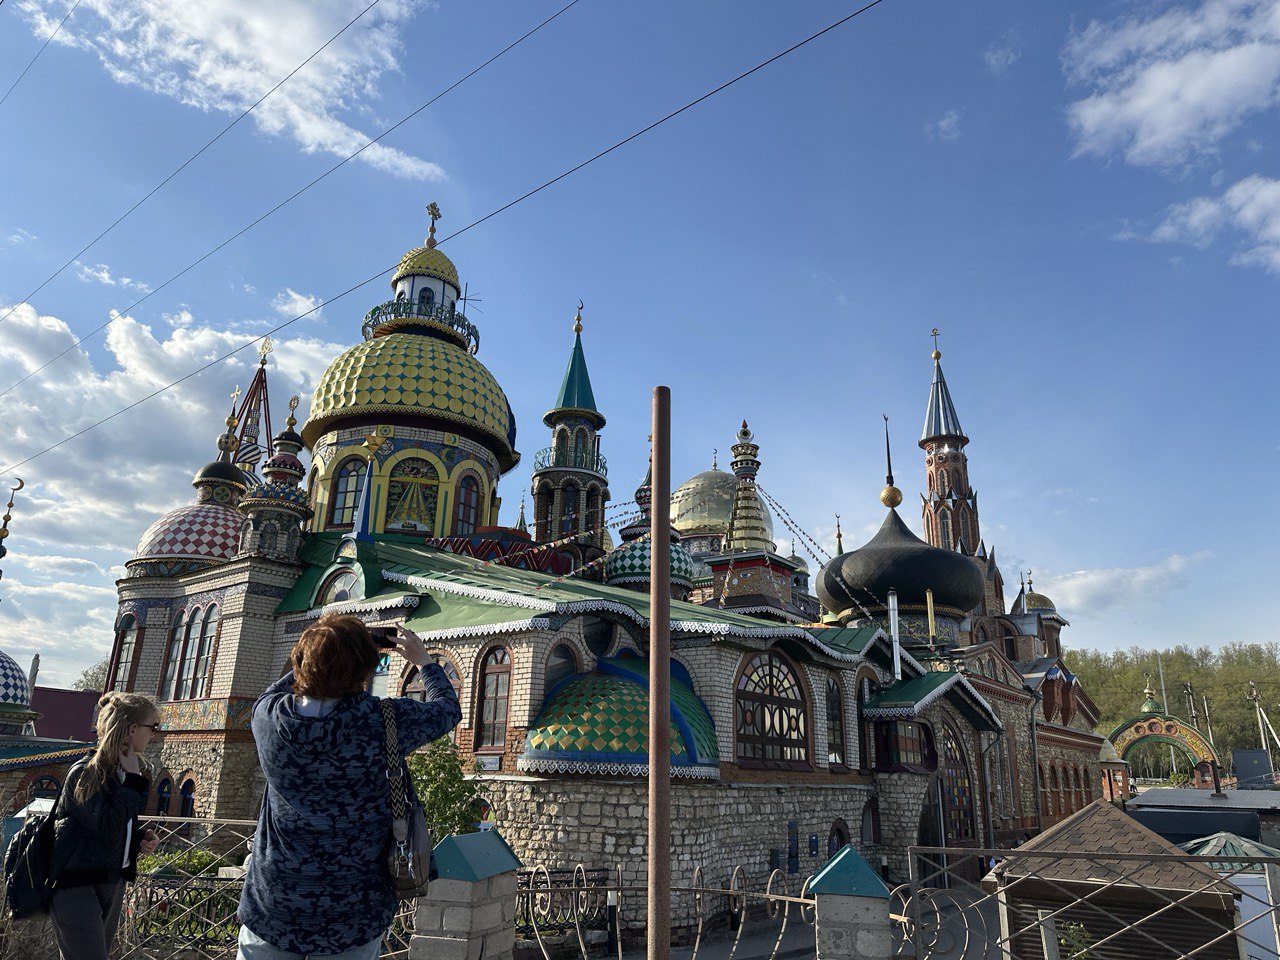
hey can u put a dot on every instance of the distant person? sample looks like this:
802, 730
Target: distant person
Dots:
317, 884
96, 836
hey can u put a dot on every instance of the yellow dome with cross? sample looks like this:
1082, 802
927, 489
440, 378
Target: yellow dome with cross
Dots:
428, 261
417, 375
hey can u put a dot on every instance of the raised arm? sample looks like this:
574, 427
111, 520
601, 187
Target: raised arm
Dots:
438, 712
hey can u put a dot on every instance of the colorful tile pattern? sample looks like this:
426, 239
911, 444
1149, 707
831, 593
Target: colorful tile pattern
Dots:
207, 531
14, 690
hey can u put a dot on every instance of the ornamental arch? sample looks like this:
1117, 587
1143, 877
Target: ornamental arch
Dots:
1154, 725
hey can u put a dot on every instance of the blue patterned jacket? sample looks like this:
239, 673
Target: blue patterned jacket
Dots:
317, 880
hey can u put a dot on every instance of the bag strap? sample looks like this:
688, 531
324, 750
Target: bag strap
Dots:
395, 764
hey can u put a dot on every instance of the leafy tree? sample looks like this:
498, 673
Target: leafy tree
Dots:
449, 799
95, 678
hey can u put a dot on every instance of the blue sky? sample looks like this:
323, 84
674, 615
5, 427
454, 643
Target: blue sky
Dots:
1081, 197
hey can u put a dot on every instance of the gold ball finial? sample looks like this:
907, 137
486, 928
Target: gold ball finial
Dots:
891, 496
937, 354
433, 211
577, 319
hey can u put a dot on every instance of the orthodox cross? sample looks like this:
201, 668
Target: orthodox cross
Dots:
935, 338
235, 395
433, 211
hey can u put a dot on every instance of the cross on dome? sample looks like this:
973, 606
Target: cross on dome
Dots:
433, 211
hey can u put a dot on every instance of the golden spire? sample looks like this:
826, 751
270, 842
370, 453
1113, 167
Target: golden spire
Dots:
264, 348
839, 537
937, 354
8, 512
890, 496
433, 211
291, 421
577, 320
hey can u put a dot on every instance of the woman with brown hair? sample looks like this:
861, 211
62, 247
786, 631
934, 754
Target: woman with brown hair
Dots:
317, 884
96, 840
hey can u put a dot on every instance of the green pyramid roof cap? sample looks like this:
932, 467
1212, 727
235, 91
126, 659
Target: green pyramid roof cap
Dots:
847, 874
575, 391
474, 856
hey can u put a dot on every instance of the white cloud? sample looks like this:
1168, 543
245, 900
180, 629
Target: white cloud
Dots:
1167, 88
289, 303
946, 127
222, 55
1003, 53
1250, 207
101, 273
1091, 593
18, 235
86, 503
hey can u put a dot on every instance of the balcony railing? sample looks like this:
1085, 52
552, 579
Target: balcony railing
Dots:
549, 457
412, 310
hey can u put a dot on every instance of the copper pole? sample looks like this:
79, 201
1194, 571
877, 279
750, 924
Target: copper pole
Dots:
659, 926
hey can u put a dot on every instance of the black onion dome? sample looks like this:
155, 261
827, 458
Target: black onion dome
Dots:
289, 435
223, 471
896, 559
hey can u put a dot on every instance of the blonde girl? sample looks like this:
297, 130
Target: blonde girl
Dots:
96, 836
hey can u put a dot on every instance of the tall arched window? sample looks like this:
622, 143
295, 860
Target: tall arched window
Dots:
495, 688
467, 517
1055, 797
172, 659
542, 512
580, 448
957, 789
944, 530
345, 491
866, 742
164, 793
562, 449
187, 806
944, 484
772, 722
204, 654
412, 493
835, 724
870, 832
561, 664
126, 639
569, 510
190, 642
593, 509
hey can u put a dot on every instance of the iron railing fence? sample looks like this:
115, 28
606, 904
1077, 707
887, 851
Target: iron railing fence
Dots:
183, 904
709, 922
980, 904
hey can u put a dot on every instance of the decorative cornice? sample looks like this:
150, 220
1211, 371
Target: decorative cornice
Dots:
613, 769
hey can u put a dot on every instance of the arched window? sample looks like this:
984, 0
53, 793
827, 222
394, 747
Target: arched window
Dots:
593, 509
542, 512
772, 723
835, 723
569, 510
187, 804
597, 634
1077, 789
426, 298
1088, 785
944, 484
580, 448
414, 689
866, 742
190, 641
164, 792
126, 639
561, 663
44, 788
495, 688
345, 491
413, 491
561, 458
871, 821
944, 530
957, 789
339, 587
172, 659
400, 296
204, 653
467, 517
267, 539
837, 837
1055, 798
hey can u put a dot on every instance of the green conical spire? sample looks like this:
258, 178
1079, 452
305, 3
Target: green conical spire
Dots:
575, 390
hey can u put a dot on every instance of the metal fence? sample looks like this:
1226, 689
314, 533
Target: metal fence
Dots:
1049, 905
183, 904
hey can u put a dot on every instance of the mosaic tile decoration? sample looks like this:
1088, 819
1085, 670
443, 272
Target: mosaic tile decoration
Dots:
13, 683
207, 531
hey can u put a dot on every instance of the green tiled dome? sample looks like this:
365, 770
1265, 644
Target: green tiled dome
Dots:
419, 375
630, 563
599, 723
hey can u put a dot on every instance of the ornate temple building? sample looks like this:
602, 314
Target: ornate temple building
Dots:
895, 701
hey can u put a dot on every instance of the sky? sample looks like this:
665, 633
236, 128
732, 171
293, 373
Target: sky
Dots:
1083, 198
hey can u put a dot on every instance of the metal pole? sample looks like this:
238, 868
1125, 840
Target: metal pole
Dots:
1208, 722
659, 925
1164, 697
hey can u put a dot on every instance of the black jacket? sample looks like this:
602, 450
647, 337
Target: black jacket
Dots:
88, 838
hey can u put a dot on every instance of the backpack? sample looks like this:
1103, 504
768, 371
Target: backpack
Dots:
28, 888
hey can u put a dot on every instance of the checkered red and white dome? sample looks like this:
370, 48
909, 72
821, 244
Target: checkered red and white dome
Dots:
14, 691
203, 531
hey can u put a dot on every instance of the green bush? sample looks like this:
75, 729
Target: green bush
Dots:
450, 801
192, 862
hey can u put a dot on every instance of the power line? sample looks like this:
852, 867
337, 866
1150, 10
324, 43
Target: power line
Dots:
48, 40
156, 189
475, 223
289, 199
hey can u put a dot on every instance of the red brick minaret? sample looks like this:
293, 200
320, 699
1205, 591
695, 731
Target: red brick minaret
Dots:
950, 506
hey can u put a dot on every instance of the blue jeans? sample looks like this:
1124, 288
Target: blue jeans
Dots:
253, 947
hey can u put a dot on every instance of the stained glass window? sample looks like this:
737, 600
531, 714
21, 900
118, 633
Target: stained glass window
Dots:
345, 492
412, 494
835, 723
495, 687
126, 638
957, 789
772, 724
338, 588
468, 515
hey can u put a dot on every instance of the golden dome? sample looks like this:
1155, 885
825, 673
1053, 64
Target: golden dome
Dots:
704, 503
415, 375
427, 262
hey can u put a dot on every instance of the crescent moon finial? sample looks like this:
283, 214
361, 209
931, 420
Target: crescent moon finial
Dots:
577, 320
21, 483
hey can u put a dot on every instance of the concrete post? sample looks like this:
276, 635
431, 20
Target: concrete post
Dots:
469, 911
852, 906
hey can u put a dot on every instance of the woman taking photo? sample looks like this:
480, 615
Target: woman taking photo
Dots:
96, 840
317, 883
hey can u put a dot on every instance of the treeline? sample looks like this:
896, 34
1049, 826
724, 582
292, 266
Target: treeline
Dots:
1115, 679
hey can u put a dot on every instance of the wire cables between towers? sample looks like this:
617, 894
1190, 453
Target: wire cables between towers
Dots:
475, 223
47, 41
287, 200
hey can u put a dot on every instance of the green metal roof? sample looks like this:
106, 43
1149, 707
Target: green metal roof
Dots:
847, 874
1235, 851
575, 391
851, 640
907, 698
474, 856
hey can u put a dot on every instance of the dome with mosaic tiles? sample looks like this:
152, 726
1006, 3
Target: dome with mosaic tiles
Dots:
599, 723
416, 374
428, 261
199, 532
15, 692
630, 563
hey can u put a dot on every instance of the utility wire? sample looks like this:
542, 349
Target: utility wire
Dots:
287, 200
48, 40
475, 223
156, 189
